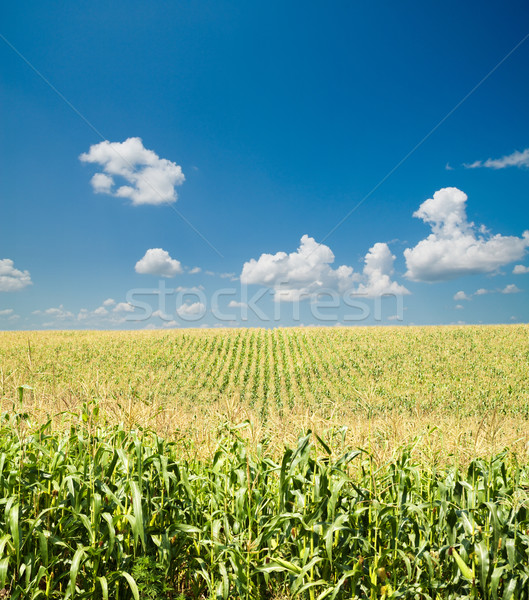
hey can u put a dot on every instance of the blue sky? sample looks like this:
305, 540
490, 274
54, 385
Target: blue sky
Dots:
203, 164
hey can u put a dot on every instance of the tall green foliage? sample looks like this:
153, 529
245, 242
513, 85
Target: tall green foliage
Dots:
101, 512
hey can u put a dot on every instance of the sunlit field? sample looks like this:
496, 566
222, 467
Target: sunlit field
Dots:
252, 463
467, 387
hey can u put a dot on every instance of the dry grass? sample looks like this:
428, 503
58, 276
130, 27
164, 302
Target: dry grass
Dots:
463, 390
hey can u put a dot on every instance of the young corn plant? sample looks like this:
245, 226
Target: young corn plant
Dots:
103, 512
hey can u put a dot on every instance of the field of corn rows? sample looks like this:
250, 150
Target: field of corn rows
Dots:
124, 474
386, 385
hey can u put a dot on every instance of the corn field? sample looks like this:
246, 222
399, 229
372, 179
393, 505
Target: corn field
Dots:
468, 386
309, 463
99, 512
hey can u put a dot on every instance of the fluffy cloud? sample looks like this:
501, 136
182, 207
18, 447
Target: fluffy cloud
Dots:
298, 274
307, 271
508, 289
109, 313
520, 270
123, 307
158, 262
456, 247
58, 313
233, 304
191, 312
151, 179
516, 159
461, 296
11, 279
170, 324
6, 312
511, 289
377, 273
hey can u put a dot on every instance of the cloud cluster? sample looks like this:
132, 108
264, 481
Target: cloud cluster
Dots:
150, 179
158, 262
192, 311
520, 270
109, 313
456, 247
58, 313
298, 274
302, 274
511, 288
516, 159
11, 279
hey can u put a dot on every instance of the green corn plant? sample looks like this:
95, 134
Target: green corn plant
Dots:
102, 511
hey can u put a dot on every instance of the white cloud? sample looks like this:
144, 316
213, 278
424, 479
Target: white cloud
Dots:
110, 315
377, 271
102, 183
6, 312
191, 311
99, 317
516, 159
123, 307
307, 271
520, 270
170, 324
456, 247
151, 179
461, 296
459, 306
158, 262
11, 279
511, 289
109, 302
226, 275
235, 304
59, 313
298, 274
195, 270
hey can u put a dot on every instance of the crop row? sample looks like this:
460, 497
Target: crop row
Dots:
467, 371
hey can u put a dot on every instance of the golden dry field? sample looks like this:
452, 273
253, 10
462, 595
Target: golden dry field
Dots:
464, 390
